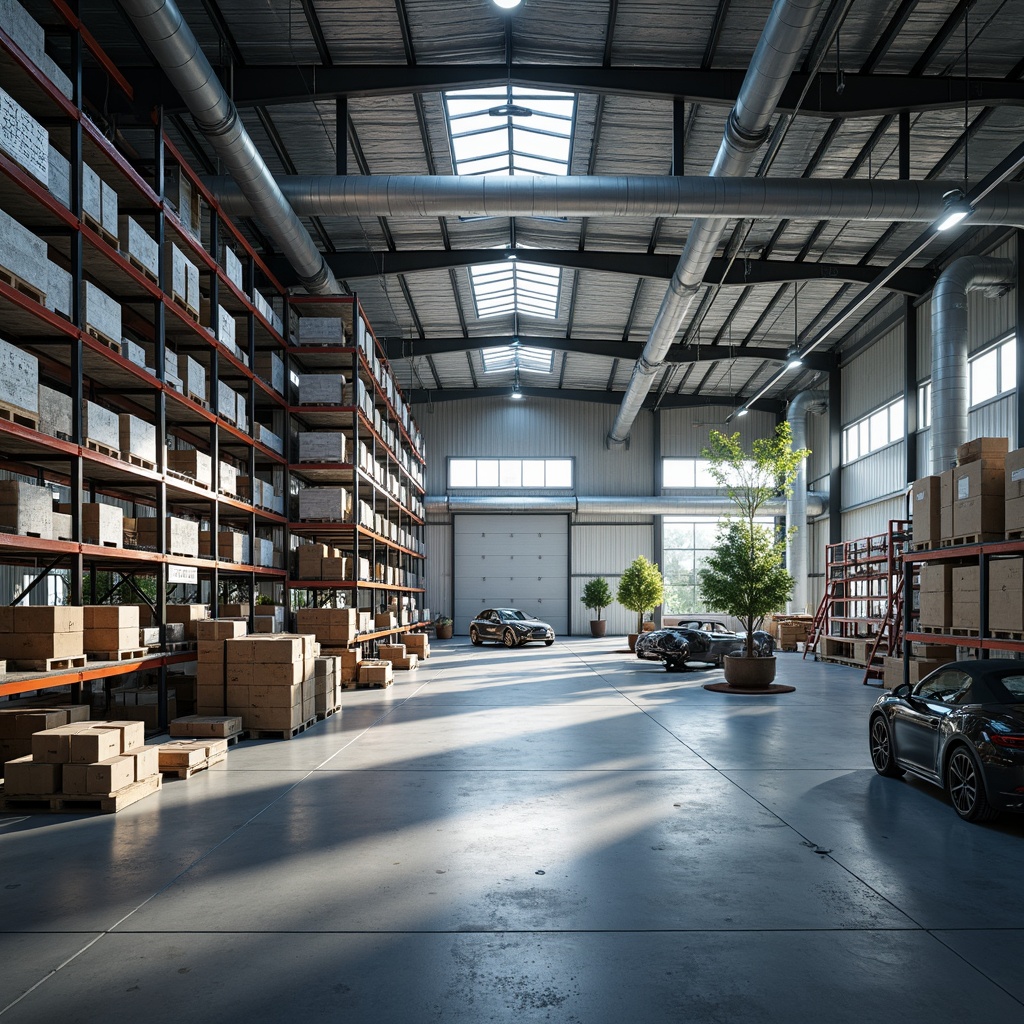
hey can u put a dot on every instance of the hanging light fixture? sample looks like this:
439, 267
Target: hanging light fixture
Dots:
507, 5
955, 208
793, 358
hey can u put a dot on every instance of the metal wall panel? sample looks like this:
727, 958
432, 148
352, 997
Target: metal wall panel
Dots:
924, 453
872, 519
684, 432
539, 428
874, 377
816, 563
996, 419
437, 539
881, 473
604, 549
819, 462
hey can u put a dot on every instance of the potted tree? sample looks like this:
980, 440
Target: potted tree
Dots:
641, 590
745, 576
597, 595
443, 627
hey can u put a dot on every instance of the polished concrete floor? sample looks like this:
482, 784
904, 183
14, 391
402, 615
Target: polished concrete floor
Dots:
548, 834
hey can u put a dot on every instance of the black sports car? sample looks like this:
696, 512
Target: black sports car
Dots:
962, 728
679, 644
510, 627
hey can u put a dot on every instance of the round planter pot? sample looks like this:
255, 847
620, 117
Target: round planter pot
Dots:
749, 673
632, 640
443, 632
649, 627
598, 627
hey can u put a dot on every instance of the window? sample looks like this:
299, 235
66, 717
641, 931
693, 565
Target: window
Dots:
993, 372
686, 543
686, 473
924, 406
875, 431
522, 357
515, 286
510, 474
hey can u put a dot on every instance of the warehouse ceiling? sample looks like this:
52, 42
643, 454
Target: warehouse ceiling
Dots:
604, 88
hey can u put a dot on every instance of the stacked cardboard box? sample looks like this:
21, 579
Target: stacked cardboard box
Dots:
376, 672
142, 704
195, 464
182, 277
111, 629
189, 615
398, 655
35, 635
1006, 596
141, 248
54, 412
418, 644
979, 489
19, 724
85, 759
966, 609
231, 546
270, 367
333, 627
320, 561
327, 674
102, 313
26, 509
927, 511
1014, 488
936, 595
321, 330
350, 661
181, 536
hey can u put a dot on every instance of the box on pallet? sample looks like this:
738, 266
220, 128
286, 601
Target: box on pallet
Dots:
188, 614
1014, 488
181, 536
331, 626
270, 367
181, 277
966, 611
101, 426
231, 546
184, 197
979, 495
227, 479
321, 446
927, 507
1006, 595
194, 379
984, 448
190, 462
23, 254
26, 509
23, 138
141, 248
376, 672
19, 379
321, 389
101, 313
101, 523
330, 503
39, 633
137, 437
321, 330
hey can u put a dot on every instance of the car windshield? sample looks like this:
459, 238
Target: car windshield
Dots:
1008, 688
512, 613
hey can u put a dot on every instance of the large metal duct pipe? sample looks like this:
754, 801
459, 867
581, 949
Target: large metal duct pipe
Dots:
617, 505
797, 543
172, 43
396, 195
782, 41
950, 344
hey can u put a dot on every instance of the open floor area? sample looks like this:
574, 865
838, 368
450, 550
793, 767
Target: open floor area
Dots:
544, 834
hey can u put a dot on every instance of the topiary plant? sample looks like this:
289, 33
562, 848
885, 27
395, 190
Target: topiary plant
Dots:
597, 595
641, 588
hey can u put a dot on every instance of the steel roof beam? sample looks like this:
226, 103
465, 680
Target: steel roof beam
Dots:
863, 95
351, 265
405, 348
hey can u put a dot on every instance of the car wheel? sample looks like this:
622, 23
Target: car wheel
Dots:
882, 755
548, 643
474, 637
966, 787
508, 638
673, 665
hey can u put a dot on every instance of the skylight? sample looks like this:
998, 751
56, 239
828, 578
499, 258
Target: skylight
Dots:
510, 130
521, 357
515, 287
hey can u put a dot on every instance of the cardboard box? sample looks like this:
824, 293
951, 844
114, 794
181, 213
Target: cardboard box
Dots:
206, 725
270, 367
920, 667
23, 138
195, 464
53, 746
384, 620
181, 535
350, 661
321, 330
892, 673
110, 775
146, 762
19, 378
927, 507
111, 616
139, 244
91, 745
25, 777
101, 524
376, 673
54, 412
131, 735
1006, 595
408, 663
188, 615
978, 500
936, 609
992, 448
48, 619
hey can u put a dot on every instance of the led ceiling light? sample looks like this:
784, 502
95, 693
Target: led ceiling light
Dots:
507, 5
741, 412
510, 110
955, 208
793, 359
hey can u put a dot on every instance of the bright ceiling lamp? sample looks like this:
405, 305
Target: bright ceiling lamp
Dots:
507, 5
793, 359
955, 208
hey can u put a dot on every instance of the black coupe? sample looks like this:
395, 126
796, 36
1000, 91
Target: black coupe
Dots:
680, 644
511, 627
961, 728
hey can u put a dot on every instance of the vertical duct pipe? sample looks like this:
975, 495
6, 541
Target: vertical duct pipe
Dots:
176, 49
797, 544
950, 345
782, 41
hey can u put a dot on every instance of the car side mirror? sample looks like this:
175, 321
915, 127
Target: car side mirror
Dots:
903, 690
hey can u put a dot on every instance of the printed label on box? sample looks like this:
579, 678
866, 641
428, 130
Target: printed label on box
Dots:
963, 488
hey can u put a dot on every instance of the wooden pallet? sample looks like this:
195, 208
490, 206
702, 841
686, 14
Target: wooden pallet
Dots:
102, 449
100, 230
180, 302
321, 716
1015, 534
199, 401
970, 538
61, 803
966, 634
46, 664
14, 414
178, 645
103, 339
20, 285
925, 545
1007, 634
138, 461
130, 654
374, 686
188, 479
141, 267
281, 734
188, 772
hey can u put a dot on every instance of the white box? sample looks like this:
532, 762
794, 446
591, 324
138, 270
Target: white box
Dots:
270, 367
92, 195
108, 208
54, 412
57, 76
101, 426
26, 509
321, 446
227, 402
58, 290
137, 437
101, 313
23, 138
195, 378
184, 198
228, 478
321, 388
26, 32
19, 378
22, 253
136, 241
268, 438
321, 330
58, 176
331, 503
233, 267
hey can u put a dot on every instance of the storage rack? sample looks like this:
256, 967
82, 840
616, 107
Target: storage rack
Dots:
138, 164
857, 607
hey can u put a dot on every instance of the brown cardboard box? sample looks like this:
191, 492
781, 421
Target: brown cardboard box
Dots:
92, 745
74, 779
384, 620
181, 754
148, 715
936, 577
979, 494
101, 641
21, 723
146, 762
892, 673
1013, 516
310, 557
276, 696
203, 725
131, 734
936, 610
994, 448
966, 603
927, 505
218, 630
334, 567
350, 665
935, 652
1006, 595
274, 719
389, 652
39, 646
25, 777
48, 619
53, 746
101, 523
920, 667
409, 662
110, 775
376, 673
946, 504
1013, 474
187, 614
111, 616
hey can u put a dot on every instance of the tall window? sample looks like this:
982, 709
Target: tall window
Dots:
687, 473
924, 406
875, 431
993, 372
510, 473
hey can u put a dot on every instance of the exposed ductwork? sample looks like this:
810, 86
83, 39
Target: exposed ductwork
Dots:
616, 505
394, 195
783, 39
950, 345
797, 543
172, 43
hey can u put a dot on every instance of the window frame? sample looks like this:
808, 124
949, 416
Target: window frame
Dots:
554, 467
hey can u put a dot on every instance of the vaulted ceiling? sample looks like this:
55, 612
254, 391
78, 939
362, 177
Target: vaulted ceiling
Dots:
878, 95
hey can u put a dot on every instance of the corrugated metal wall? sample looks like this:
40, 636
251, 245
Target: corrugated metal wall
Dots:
996, 419
684, 432
603, 549
819, 463
437, 538
874, 376
872, 519
882, 473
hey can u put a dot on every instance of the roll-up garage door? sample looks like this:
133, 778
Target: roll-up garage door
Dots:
512, 562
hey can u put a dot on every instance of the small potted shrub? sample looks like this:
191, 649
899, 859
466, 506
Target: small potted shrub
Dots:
597, 595
641, 590
443, 627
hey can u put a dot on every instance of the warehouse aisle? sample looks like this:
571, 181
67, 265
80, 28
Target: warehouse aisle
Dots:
548, 834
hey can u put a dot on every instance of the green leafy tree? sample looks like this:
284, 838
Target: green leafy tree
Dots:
597, 595
641, 588
745, 576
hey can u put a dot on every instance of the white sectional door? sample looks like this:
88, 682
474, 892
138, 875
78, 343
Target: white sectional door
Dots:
512, 561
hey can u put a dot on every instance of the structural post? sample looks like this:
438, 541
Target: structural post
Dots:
910, 424
835, 443
341, 135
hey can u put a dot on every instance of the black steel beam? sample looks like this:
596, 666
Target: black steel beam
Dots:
404, 348
424, 397
869, 95
741, 273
